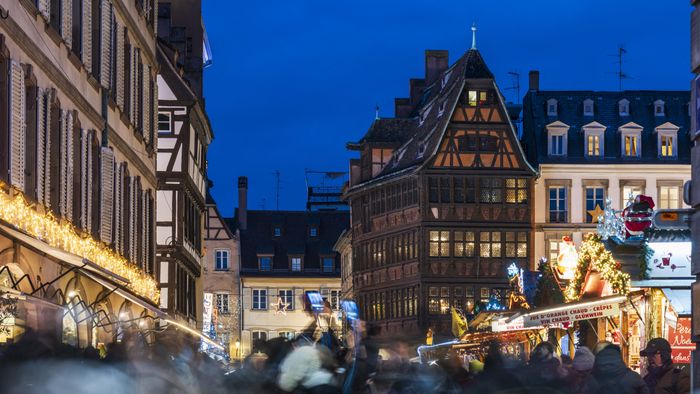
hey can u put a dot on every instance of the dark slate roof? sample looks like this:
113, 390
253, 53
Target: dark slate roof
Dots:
389, 130
258, 239
606, 112
421, 134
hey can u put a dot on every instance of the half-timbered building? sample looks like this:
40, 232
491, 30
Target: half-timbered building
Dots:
77, 167
440, 199
184, 133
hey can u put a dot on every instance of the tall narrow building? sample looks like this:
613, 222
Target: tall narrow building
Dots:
184, 134
440, 199
77, 168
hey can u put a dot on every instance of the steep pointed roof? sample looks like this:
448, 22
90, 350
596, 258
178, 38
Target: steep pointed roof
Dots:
475, 66
420, 135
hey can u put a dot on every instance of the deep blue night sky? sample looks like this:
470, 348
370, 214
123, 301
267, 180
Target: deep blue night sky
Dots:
293, 81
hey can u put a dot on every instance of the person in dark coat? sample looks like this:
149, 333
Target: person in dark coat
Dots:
612, 374
663, 376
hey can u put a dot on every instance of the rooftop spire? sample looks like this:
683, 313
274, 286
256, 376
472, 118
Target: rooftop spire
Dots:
376, 112
473, 35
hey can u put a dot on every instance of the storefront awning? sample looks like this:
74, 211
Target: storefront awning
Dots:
571, 312
124, 293
680, 300
58, 254
664, 283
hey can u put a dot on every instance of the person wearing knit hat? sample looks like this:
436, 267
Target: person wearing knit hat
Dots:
581, 380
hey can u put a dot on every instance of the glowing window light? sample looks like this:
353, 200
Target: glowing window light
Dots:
16, 211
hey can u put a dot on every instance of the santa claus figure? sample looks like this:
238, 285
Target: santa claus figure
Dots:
567, 259
637, 216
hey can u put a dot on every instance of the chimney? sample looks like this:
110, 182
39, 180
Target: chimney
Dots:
415, 90
534, 80
402, 107
243, 202
436, 62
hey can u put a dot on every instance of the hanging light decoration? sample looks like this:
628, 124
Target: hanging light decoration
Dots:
16, 211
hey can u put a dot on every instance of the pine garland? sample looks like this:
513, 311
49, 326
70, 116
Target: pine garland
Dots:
645, 254
593, 256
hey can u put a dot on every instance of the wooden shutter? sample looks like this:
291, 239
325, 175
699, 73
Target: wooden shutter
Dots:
66, 181
86, 180
45, 8
41, 141
87, 33
119, 69
133, 85
67, 21
117, 230
17, 125
106, 193
106, 44
146, 127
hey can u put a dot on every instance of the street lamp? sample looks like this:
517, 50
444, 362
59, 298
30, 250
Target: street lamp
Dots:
238, 348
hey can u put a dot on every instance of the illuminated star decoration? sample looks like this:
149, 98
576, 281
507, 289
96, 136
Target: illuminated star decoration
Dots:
281, 306
596, 213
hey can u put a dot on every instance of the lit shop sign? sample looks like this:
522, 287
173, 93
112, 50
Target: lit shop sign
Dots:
567, 315
502, 325
680, 340
669, 260
206, 319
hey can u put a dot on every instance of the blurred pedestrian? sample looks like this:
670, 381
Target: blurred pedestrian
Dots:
663, 376
580, 379
613, 375
302, 371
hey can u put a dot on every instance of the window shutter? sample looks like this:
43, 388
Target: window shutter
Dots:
106, 44
17, 125
45, 8
41, 139
132, 219
85, 181
117, 231
106, 193
46, 108
133, 85
67, 22
119, 31
146, 104
67, 165
87, 33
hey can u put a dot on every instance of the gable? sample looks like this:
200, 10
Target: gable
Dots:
479, 134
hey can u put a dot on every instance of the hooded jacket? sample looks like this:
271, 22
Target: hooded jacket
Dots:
613, 375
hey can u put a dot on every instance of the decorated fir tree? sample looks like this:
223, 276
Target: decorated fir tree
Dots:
548, 291
593, 256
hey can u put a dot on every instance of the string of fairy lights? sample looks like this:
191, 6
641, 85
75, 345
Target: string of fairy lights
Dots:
16, 211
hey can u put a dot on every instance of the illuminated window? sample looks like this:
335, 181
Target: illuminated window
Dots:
667, 145
287, 297
630, 191
516, 190
439, 243
472, 98
464, 244
490, 244
484, 294
516, 244
222, 303
630, 147
296, 264
669, 197
592, 145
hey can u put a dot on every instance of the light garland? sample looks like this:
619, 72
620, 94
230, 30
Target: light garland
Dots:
593, 256
46, 227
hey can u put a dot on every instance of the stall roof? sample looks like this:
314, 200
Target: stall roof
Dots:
680, 300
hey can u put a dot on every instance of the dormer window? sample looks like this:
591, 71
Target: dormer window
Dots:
380, 158
421, 150
631, 140
588, 107
277, 231
624, 107
445, 79
667, 140
557, 138
477, 97
441, 109
659, 108
594, 140
313, 231
552, 107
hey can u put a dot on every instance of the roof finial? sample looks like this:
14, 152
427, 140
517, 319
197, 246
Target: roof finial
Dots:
474, 35
376, 112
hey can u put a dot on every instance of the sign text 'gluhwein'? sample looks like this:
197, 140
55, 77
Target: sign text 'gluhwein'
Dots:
567, 315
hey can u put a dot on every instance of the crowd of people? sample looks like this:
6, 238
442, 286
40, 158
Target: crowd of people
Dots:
326, 365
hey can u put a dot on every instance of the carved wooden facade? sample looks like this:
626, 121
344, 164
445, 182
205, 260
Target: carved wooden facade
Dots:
448, 209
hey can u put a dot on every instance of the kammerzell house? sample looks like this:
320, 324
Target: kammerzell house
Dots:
440, 199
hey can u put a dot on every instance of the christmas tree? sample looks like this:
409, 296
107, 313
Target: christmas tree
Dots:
593, 256
548, 291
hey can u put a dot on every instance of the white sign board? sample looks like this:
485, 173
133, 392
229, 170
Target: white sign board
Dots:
568, 315
206, 319
670, 260
500, 325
